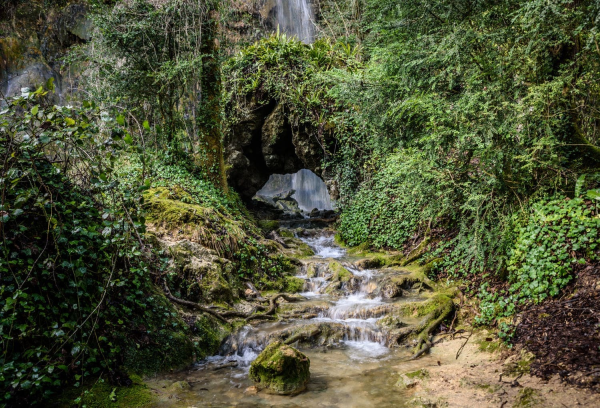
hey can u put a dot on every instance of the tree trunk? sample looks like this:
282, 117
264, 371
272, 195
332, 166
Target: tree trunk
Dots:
209, 118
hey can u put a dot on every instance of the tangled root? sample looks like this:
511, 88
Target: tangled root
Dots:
222, 316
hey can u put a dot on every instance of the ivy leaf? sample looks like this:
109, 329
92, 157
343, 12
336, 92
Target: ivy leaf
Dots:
593, 194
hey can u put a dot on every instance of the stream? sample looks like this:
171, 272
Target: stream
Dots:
351, 364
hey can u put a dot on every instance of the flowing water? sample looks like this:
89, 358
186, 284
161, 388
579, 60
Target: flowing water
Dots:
354, 367
310, 191
295, 17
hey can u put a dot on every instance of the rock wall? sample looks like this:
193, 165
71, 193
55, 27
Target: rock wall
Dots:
264, 142
35, 36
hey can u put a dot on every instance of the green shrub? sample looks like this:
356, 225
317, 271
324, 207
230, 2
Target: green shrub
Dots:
557, 234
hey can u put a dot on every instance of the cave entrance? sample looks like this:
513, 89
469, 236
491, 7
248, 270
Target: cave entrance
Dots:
298, 194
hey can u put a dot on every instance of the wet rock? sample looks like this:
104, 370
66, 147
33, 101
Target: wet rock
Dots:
311, 270
412, 379
395, 282
339, 273
200, 272
251, 390
284, 196
342, 280
289, 207
292, 246
281, 369
391, 322
369, 263
179, 386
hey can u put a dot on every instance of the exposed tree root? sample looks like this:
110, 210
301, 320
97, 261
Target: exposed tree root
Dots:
425, 328
268, 314
302, 336
272, 307
192, 304
431, 323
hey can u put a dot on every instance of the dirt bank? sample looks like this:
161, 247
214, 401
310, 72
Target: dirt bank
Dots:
485, 379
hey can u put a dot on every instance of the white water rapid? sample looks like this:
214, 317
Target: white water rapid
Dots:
295, 17
339, 321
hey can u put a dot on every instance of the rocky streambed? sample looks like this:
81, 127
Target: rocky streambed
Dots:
356, 323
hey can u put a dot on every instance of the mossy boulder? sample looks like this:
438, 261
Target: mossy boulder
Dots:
294, 284
339, 273
281, 369
169, 215
200, 273
370, 263
340, 279
413, 378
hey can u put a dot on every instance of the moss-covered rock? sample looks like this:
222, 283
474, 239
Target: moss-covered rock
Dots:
281, 369
370, 263
339, 273
412, 378
294, 284
200, 274
104, 395
267, 226
209, 334
168, 215
311, 270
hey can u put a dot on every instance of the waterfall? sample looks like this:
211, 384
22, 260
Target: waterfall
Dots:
294, 17
310, 191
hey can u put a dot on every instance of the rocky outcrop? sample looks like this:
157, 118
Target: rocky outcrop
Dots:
199, 273
34, 38
264, 142
281, 369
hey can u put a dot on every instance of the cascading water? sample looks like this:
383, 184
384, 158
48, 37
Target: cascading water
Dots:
347, 342
310, 191
295, 17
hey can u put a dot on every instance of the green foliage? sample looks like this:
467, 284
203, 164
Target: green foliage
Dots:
75, 289
462, 116
389, 207
283, 69
558, 234
104, 395
155, 59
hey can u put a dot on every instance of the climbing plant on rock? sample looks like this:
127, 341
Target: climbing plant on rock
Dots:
74, 279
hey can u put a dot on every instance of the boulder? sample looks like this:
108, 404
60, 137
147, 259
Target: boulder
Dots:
200, 272
281, 369
369, 263
284, 195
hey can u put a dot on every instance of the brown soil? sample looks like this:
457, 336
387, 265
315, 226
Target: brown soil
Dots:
564, 333
483, 379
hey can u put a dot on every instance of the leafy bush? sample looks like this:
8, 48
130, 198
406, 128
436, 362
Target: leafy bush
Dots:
75, 288
557, 234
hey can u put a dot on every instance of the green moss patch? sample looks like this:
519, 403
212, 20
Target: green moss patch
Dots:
281, 369
340, 273
104, 395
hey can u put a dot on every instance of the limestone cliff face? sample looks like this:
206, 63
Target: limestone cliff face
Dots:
264, 142
34, 38
36, 35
